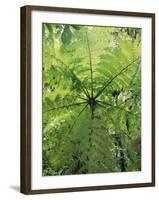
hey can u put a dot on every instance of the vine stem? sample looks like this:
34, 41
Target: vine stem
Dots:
73, 124
66, 106
110, 81
90, 63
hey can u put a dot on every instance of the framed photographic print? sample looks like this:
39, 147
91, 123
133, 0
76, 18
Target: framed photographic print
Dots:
87, 99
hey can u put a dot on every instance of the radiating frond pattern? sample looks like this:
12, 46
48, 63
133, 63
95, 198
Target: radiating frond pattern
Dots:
91, 99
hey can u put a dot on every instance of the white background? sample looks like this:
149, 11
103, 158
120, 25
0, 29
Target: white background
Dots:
10, 103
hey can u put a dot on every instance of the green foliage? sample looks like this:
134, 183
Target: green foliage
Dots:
66, 35
91, 99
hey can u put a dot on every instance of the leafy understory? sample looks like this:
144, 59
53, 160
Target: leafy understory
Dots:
91, 99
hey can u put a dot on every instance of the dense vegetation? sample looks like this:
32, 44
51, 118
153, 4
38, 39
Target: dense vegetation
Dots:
91, 99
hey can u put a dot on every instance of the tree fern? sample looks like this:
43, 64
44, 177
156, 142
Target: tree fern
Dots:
91, 99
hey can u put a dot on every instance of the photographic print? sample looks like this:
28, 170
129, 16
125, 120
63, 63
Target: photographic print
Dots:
91, 99
87, 99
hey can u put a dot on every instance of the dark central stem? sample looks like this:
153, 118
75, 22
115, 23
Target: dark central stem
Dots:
92, 103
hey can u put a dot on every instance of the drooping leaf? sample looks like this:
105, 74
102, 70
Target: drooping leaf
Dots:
66, 35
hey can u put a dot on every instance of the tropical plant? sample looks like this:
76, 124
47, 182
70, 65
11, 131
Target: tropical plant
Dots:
91, 99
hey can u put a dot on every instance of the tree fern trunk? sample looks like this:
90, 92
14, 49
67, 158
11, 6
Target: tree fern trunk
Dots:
120, 152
